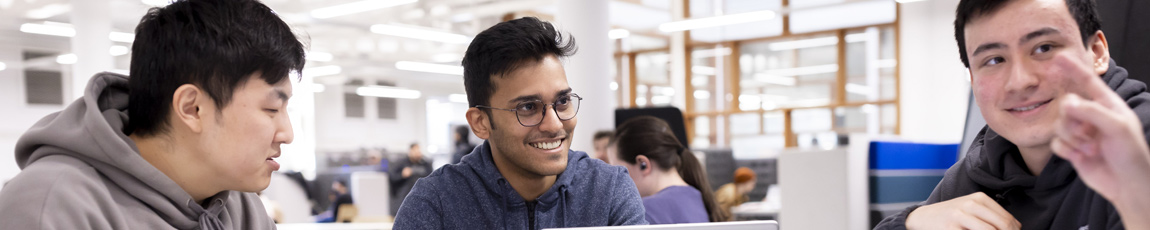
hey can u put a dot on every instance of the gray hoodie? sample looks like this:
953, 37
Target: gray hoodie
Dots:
80, 171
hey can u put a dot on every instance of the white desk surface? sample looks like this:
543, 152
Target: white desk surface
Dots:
335, 226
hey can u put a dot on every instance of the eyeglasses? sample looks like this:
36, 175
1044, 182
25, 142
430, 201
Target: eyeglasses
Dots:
531, 113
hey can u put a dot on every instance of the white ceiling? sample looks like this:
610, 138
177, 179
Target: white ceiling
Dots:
360, 53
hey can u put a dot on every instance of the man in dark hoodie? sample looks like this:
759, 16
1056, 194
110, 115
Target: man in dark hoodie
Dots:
182, 144
1063, 147
524, 176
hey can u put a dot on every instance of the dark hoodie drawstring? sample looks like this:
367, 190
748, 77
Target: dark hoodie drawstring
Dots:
209, 218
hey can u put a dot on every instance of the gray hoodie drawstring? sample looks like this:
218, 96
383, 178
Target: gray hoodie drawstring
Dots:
209, 218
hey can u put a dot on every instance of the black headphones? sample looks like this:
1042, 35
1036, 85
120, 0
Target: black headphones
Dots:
643, 165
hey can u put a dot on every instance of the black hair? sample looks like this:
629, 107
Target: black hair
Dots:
212, 44
413, 145
1084, 12
652, 137
603, 134
506, 47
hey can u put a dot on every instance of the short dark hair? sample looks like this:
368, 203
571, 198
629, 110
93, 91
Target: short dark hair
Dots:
603, 134
506, 47
413, 145
1084, 12
213, 44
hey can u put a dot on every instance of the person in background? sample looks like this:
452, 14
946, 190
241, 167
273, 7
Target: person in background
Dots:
463, 144
600, 141
524, 175
184, 143
340, 196
404, 173
735, 193
670, 179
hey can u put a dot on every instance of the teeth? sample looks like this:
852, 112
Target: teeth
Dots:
547, 145
1028, 108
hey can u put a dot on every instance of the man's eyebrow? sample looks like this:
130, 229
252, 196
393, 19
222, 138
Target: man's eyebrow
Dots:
280, 94
534, 97
563, 92
988, 46
1038, 33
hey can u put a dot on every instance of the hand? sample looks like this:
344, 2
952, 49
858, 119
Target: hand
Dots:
974, 211
406, 172
1099, 134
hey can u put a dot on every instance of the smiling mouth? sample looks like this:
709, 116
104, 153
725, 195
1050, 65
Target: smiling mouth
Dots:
549, 145
1028, 108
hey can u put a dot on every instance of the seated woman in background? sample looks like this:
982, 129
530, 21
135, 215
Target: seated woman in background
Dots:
669, 177
735, 193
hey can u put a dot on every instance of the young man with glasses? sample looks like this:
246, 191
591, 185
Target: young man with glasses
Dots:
523, 176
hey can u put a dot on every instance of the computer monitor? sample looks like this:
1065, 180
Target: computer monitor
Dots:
734, 225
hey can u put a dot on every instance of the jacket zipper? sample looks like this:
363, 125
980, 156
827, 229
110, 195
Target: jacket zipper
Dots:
531, 215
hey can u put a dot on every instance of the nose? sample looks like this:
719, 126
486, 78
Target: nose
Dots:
1023, 78
284, 134
551, 122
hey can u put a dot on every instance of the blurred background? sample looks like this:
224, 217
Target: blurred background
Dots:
754, 80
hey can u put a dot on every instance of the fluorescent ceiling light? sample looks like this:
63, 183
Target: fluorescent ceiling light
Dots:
420, 33
322, 71
356, 7
66, 59
387, 91
118, 50
3, 66
614, 86
717, 21
48, 11
446, 57
457, 98
122, 37
318, 56
618, 33
157, 3
66, 30
429, 67
48, 29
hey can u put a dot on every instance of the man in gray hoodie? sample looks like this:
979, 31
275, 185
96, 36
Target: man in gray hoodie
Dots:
182, 144
524, 176
1064, 146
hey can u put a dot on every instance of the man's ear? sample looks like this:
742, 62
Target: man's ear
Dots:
1101, 50
480, 124
186, 103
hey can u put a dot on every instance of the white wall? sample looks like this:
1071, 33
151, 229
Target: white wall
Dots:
934, 86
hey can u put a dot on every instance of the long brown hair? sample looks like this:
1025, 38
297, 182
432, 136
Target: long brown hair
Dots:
652, 137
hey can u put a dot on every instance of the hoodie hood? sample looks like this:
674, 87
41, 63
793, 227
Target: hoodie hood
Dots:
999, 166
91, 129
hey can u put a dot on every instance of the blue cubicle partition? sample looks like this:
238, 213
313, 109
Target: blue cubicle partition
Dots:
905, 173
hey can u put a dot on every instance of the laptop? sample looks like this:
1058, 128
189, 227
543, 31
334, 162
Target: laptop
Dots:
734, 225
